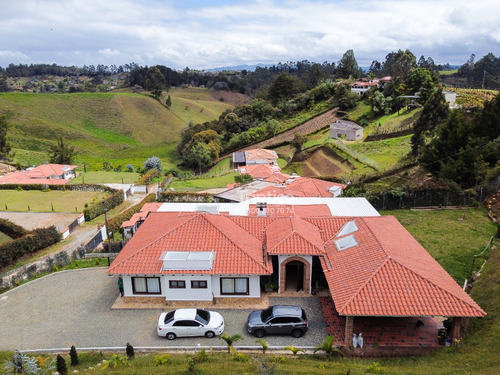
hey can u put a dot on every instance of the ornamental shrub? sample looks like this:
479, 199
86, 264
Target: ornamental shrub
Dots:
74, 356
62, 369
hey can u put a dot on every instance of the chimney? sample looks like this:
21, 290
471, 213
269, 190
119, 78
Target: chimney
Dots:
261, 208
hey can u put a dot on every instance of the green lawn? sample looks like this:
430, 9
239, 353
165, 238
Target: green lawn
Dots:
452, 237
62, 201
198, 184
103, 177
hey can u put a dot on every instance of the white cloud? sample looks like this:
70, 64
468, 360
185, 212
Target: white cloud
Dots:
213, 33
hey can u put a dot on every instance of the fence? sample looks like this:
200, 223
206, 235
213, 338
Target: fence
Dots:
430, 198
94, 242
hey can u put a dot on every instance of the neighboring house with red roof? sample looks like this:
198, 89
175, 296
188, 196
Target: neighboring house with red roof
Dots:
362, 86
47, 174
265, 172
373, 267
254, 156
302, 187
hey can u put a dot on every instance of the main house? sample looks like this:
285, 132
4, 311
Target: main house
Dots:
371, 264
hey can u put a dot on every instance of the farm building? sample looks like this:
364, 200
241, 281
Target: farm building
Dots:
254, 156
349, 129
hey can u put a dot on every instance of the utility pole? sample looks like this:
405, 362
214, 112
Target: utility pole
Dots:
106, 220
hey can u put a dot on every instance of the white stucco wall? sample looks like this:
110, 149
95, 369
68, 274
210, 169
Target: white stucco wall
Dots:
190, 294
187, 294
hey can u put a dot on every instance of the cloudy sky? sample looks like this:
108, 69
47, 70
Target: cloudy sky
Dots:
216, 33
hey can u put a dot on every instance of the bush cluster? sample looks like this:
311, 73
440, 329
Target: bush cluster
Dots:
148, 177
44, 187
171, 196
115, 222
37, 240
97, 209
12, 230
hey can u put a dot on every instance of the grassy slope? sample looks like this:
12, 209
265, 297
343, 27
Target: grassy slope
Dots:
119, 127
105, 177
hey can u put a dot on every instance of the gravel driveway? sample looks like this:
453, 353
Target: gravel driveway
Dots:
74, 308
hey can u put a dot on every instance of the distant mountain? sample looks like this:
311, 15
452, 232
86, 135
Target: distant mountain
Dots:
239, 67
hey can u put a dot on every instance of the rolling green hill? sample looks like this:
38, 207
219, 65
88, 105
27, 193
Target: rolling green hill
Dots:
117, 127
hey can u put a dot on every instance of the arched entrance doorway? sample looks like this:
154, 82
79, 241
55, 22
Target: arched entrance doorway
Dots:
294, 279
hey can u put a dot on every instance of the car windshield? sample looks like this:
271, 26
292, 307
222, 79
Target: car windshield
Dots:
169, 317
203, 316
266, 314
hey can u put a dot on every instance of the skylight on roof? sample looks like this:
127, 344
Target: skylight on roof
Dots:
348, 228
346, 243
187, 260
210, 208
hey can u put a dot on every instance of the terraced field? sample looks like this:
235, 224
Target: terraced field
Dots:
325, 162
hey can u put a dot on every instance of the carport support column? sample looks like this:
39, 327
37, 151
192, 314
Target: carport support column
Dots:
458, 328
349, 328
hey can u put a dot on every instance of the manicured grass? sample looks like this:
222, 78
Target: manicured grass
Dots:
197, 184
103, 177
62, 201
452, 237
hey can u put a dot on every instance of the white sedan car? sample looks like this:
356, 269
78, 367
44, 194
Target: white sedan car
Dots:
190, 322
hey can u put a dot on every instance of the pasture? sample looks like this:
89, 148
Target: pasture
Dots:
105, 177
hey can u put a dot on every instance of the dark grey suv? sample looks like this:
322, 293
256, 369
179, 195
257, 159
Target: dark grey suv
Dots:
278, 320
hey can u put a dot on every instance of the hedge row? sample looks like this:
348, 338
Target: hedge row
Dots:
147, 178
115, 222
166, 181
41, 186
97, 209
37, 240
12, 230
171, 196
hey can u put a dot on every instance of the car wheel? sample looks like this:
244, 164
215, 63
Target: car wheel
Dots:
171, 336
209, 335
259, 333
297, 333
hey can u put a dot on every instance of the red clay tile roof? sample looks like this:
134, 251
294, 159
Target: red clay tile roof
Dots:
294, 236
259, 170
39, 175
236, 250
300, 187
151, 207
390, 274
261, 154
280, 178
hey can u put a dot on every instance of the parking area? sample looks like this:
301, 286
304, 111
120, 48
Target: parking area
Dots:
74, 308
34, 220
